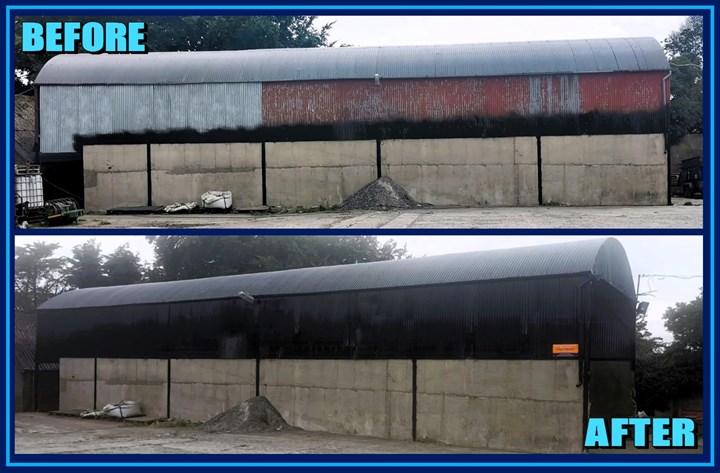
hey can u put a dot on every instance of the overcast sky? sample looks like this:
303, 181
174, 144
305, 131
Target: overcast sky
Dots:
423, 30
648, 255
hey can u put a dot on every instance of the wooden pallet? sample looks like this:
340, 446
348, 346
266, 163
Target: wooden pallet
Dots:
27, 169
67, 413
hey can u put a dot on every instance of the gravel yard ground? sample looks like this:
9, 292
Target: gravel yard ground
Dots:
678, 215
42, 433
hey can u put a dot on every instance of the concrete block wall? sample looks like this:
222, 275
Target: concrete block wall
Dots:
362, 397
518, 405
465, 171
604, 170
183, 172
201, 389
115, 176
576, 170
510, 405
144, 381
77, 383
318, 172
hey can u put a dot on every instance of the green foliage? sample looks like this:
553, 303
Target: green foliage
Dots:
187, 257
39, 275
664, 372
192, 33
122, 266
685, 353
685, 322
687, 41
219, 33
85, 268
684, 48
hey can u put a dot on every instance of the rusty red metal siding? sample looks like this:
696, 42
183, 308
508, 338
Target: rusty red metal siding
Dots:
317, 102
327, 102
622, 92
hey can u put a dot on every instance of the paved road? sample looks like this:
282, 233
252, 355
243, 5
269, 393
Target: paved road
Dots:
675, 216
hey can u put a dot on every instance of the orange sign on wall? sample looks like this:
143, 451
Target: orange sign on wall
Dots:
565, 348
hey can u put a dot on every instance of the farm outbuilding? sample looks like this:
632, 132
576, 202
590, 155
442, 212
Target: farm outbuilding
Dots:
555, 122
509, 349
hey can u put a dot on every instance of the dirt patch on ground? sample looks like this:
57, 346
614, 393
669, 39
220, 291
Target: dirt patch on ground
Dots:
252, 416
380, 194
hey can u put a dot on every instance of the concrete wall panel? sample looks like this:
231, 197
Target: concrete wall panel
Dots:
77, 386
201, 389
115, 176
144, 381
511, 405
496, 404
183, 172
465, 171
363, 397
604, 170
318, 172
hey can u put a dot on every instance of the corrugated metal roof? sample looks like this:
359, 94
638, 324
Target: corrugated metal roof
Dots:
272, 65
604, 258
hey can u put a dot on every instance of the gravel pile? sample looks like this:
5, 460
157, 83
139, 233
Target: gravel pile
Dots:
381, 194
254, 415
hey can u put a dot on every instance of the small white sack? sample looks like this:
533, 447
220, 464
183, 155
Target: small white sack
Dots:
217, 200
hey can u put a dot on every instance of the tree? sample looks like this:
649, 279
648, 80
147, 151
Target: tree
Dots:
122, 267
685, 353
685, 51
187, 257
86, 266
39, 275
219, 33
651, 388
191, 33
665, 372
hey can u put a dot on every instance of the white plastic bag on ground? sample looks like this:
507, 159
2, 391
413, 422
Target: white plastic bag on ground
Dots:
180, 207
123, 409
217, 200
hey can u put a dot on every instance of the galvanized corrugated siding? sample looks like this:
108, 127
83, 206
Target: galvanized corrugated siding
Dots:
204, 107
554, 95
67, 111
547, 260
58, 118
465, 60
92, 118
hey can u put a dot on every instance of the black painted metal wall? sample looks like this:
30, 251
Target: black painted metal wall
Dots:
507, 319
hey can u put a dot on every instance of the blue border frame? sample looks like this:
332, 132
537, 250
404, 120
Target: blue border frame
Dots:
611, 460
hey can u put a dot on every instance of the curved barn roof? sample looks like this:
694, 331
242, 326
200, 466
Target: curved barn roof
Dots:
603, 258
269, 65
